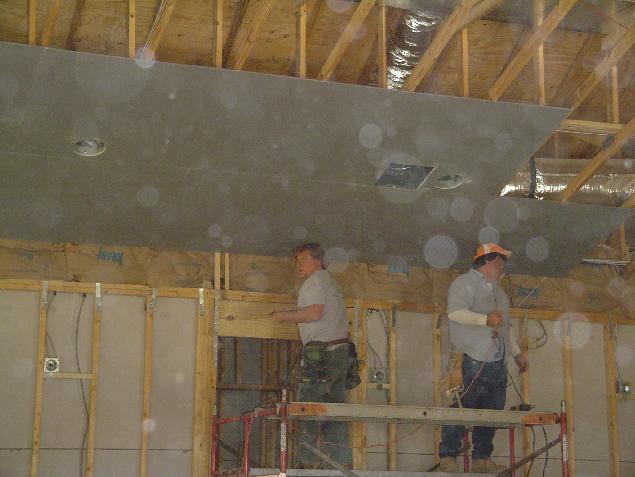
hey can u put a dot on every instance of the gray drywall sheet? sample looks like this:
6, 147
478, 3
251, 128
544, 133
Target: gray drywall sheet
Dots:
589, 388
415, 387
172, 391
415, 384
625, 357
18, 329
119, 387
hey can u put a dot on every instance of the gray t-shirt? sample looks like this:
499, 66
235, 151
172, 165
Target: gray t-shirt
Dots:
471, 291
321, 289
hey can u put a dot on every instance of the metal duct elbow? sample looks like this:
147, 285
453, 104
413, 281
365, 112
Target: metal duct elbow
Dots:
611, 185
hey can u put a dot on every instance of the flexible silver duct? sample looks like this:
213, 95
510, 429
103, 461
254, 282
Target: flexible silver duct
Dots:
408, 44
609, 186
612, 184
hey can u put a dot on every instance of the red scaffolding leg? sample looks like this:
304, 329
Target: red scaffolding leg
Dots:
244, 469
466, 451
284, 421
564, 439
512, 450
213, 468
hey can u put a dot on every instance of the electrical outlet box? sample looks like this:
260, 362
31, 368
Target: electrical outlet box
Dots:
51, 365
622, 387
379, 377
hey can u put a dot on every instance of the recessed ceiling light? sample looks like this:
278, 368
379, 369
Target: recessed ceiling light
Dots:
404, 176
448, 181
89, 147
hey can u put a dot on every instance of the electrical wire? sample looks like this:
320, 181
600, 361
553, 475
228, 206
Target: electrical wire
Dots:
153, 28
546, 453
542, 340
533, 448
49, 340
618, 371
378, 363
81, 383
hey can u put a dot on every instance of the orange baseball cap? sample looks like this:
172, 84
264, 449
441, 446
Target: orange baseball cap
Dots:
486, 248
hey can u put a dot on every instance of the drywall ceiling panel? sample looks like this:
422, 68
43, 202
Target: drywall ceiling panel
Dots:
174, 207
258, 124
18, 71
272, 160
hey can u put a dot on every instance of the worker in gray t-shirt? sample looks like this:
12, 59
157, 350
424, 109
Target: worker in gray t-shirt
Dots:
479, 325
326, 357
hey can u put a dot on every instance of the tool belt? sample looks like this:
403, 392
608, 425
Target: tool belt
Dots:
314, 368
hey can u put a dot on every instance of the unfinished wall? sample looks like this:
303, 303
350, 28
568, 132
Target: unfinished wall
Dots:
625, 354
174, 341
119, 388
415, 387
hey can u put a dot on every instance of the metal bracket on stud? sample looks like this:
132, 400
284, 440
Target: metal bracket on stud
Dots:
201, 302
153, 299
215, 325
98, 296
45, 294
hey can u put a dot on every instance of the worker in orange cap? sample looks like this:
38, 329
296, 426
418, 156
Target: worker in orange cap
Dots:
479, 325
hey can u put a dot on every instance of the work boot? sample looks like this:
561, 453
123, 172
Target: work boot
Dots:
486, 466
448, 464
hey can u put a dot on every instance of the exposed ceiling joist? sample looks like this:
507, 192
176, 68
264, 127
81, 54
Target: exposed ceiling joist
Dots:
217, 21
237, 20
372, 63
300, 40
539, 58
345, 39
580, 126
479, 11
246, 43
617, 25
32, 21
442, 37
600, 158
530, 47
623, 18
132, 29
158, 28
72, 31
463, 64
602, 69
315, 14
49, 23
382, 47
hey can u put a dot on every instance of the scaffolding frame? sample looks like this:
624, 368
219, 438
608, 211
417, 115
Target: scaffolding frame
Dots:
392, 414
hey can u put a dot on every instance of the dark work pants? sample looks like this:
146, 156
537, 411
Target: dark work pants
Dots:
334, 434
486, 392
